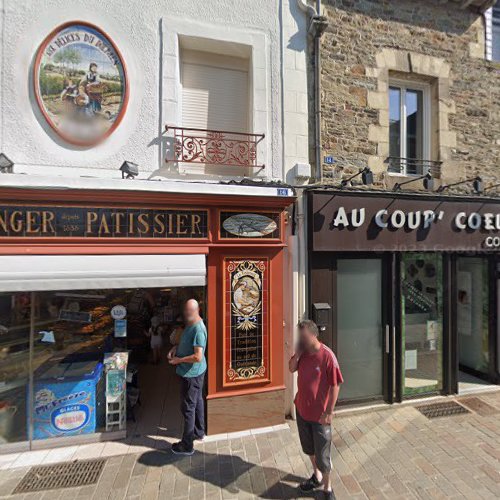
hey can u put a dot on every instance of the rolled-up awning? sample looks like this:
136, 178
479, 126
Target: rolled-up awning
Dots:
87, 272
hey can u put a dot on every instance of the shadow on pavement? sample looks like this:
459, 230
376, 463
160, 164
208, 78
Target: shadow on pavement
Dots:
231, 473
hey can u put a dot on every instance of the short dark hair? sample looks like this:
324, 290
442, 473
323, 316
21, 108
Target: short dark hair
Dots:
310, 325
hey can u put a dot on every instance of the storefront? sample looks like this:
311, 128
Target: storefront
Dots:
88, 276
406, 289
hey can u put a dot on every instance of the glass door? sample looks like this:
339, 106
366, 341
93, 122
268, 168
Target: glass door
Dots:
361, 335
421, 323
472, 299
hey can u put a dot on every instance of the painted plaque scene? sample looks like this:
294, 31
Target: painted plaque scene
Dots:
80, 84
246, 335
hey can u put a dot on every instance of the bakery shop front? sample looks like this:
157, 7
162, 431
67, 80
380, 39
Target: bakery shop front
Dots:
406, 290
93, 280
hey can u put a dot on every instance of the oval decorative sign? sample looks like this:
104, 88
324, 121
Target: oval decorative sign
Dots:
249, 225
80, 83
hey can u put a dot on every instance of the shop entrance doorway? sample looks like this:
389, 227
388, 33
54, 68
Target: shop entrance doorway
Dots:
421, 323
154, 417
472, 309
98, 362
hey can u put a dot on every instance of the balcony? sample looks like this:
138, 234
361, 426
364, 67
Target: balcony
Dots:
215, 147
413, 166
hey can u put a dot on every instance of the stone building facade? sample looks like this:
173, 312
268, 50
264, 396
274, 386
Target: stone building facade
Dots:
370, 42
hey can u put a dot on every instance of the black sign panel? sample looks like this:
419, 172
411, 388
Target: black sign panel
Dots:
96, 222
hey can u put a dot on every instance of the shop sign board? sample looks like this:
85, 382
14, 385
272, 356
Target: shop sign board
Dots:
246, 342
101, 222
80, 83
341, 222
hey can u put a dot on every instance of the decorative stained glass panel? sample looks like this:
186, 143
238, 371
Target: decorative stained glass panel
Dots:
246, 346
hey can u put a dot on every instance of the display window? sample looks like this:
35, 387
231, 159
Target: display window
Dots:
91, 354
422, 322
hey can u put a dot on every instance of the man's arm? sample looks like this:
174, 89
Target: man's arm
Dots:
333, 394
293, 364
196, 357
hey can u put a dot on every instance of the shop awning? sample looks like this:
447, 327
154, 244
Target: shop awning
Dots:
86, 272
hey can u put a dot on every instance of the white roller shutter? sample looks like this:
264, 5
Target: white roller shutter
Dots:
214, 98
94, 272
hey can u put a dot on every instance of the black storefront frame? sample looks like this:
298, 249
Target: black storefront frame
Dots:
328, 280
392, 317
393, 378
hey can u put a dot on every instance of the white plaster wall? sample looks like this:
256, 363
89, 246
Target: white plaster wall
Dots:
146, 33
296, 139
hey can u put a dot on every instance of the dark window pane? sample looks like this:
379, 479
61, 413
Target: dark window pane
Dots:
414, 127
394, 124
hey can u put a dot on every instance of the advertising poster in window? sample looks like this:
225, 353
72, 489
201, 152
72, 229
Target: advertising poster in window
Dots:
80, 83
246, 346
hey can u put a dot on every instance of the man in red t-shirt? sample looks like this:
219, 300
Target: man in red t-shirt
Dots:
319, 380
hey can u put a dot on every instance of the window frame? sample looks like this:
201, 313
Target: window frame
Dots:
495, 31
425, 88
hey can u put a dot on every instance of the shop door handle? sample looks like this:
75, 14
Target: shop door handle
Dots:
387, 339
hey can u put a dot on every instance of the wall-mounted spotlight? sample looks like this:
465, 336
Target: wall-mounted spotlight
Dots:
6, 164
427, 179
477, 184
129, 170
366, 177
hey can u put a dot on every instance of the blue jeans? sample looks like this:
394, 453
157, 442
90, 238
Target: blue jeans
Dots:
193, 409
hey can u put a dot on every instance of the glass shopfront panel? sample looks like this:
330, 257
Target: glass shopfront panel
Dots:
359, 327
472, 314
422, 323
15, 311
85, 359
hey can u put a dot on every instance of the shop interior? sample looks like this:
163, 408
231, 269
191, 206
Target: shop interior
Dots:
422, 322
97, 363
472, 323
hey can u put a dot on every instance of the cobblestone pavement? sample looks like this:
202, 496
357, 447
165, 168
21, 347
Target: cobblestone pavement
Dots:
392, 453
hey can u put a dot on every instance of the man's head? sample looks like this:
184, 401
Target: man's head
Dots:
93, 67
308, 334
191, 311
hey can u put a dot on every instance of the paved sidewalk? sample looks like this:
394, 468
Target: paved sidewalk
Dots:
392, 453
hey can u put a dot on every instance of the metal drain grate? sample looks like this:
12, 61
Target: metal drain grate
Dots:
447, 409
63, 475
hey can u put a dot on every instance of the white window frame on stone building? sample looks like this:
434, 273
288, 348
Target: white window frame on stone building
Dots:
402, 164
495, 32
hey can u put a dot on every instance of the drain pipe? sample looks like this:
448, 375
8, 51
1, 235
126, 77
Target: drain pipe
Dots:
317, 26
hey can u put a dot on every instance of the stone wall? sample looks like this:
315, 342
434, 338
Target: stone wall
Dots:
365, 42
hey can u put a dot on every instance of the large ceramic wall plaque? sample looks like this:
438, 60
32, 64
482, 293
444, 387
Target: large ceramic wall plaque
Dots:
246, 339
80, 83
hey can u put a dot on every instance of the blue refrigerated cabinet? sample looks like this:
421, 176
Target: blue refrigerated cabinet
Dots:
68, 399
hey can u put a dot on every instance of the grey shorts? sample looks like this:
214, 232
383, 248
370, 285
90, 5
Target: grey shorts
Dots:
316, 440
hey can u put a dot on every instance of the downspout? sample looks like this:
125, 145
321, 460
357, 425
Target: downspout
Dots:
317, 26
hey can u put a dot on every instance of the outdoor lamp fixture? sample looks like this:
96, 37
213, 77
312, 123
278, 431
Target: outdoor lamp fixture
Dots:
427, 179
6, 165
366, 177
477, 184
129, 170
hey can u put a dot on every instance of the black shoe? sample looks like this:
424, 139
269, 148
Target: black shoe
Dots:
329, 495
311, 484
200, 438
180, 449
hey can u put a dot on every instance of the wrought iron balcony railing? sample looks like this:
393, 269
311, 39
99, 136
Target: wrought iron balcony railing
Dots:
215, 147
413, 166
